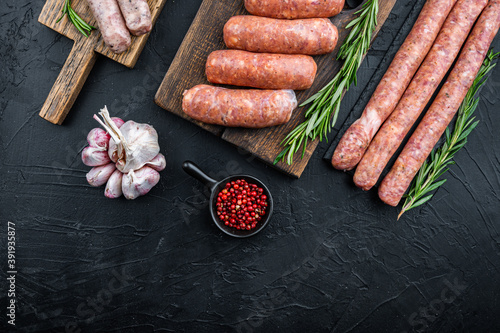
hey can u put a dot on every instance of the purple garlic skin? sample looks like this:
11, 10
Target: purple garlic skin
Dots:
158, 163
114, 185
98, 138
99, 175
139, 182
118, 121
95, 156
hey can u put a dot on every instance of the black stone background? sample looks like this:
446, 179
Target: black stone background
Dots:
333, 259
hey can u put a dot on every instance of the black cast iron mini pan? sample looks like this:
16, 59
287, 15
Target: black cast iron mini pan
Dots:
216, 186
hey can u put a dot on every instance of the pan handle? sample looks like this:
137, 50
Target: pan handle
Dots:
194, 171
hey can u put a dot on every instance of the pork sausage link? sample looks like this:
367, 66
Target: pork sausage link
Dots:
261, 70
262, 34
443, 109
249, 108
419, 92
294, 9
137, 16
357, 138
111, 24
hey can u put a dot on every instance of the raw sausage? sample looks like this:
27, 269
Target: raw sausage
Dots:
261, 70
249, 108
444, 51
137, 16
111, 24
294, 9
262, 34
419, 92
443, 109
357, 138
239, 107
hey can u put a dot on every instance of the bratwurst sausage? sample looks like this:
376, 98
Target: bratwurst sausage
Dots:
137, 16
357, 138
294, 9
249, 108
443, 109
262, 34
419, 92
111, 24
261, 70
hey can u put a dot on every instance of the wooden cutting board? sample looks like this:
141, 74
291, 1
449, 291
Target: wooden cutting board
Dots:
83, 54
188, 69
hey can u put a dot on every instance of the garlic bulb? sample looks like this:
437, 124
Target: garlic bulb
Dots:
114, 185
158, 163
99, 175
125, 156
140, 182
95, 156
136, 143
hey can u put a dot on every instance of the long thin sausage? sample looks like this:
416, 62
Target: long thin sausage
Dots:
239, 107
294, 9
111, 24
419, 92
137, 16
443, 109
261, 70
357, 138
262, 34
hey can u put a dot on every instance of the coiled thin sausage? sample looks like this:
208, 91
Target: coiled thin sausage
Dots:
137, 16
419, 92
111, 24
294, 9
262, 34
357, 138
261, 70
443, 109
239, 107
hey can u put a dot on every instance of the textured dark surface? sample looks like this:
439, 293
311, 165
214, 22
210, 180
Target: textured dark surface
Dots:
332, 259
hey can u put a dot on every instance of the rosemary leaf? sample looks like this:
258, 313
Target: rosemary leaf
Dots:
75, 19
427, 179
322, 114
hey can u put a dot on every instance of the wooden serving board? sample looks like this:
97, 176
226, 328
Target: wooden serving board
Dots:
83, 55
188, 69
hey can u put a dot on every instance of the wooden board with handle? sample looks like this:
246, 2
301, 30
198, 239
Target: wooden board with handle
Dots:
188, 69
83, 54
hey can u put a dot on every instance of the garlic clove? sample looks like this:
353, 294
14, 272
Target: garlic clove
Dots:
139, 182
95, 156
99, 175
140, 146
98, 138
118, 121
158, 163
113, 151
114, 185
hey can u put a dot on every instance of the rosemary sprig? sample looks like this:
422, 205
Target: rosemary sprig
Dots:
77, 21
322, 114
427, 177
